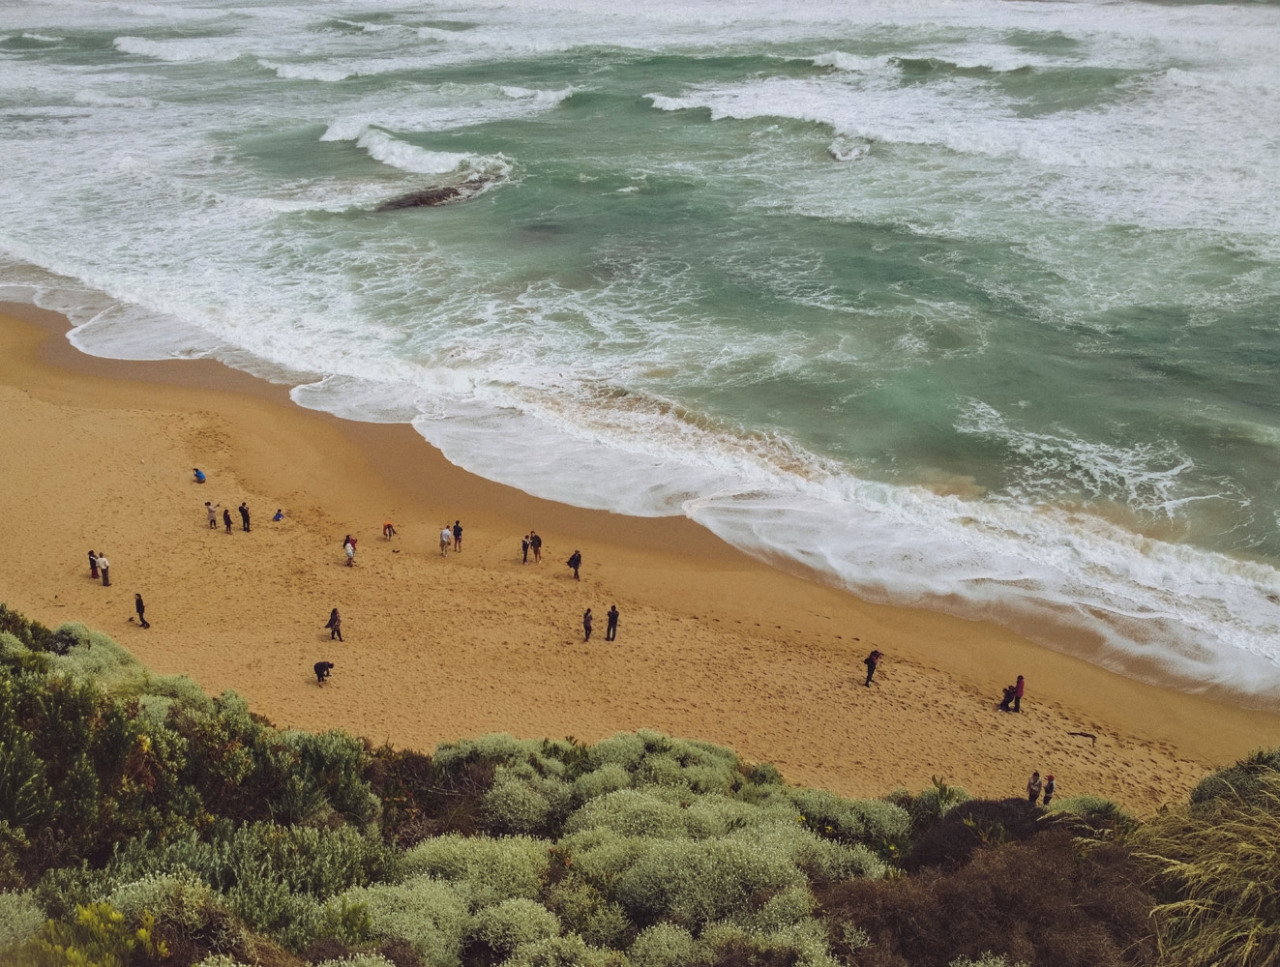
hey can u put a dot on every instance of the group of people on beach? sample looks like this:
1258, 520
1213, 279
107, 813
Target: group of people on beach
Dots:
1035, 786
611, 623
100, 569
211, 510
531, 542
451, 537
1013, 696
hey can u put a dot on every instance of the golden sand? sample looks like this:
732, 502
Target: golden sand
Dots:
712, 645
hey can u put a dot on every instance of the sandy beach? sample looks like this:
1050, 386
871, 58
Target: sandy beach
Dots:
712, 645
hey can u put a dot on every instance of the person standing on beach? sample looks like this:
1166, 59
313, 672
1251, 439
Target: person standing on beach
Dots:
93, 565
244, 516
349, 549
212, 511
1033, 788
105, 567
322, 669
575, 562
524, 550
536, 543
457, 536
334, 625
872, 661
611, 629
1049, 789
586, 625
226, 519
1018, 688
141, 608
446, 538
388, 529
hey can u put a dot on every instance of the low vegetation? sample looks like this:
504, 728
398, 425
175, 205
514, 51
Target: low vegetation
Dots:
144, 823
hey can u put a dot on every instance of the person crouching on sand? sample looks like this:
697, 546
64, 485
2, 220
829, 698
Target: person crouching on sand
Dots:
322, 669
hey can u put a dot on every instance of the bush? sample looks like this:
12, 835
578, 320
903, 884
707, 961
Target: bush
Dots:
662, 945
1216, 878
21, 918
1239, 782
502, 928
564, 952
490, 870
428, 913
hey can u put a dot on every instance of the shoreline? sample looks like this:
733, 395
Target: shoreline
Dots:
713, 644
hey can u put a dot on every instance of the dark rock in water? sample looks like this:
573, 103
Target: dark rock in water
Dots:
427, 198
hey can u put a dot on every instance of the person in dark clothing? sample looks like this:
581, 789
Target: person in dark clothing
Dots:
334, 625
872, 661
524, 550
93, 565
611, 629
1007, 700
244, 515
1018, 689
322, 669
226, 519
535, 542
1049, 789
586, 625
457, 537
141, 608
575, 562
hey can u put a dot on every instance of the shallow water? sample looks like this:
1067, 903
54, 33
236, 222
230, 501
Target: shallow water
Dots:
969, 305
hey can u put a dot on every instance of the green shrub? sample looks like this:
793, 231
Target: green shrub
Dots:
21, 918
586, 911
428, 913
1240, 781
695, 883
493, 870
507, 925
608, 778
99, 936
564, 952
1216, 877
512, 806
663, 945
1099, 814
987, 959
358, 960
631, 812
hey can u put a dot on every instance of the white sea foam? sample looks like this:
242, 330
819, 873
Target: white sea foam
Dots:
42, 38
330, 73
181, 51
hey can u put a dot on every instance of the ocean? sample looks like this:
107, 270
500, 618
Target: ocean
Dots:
968, 305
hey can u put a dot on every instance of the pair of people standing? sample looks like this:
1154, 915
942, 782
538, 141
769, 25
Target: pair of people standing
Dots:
100, 566
611, 626
531, 542
1035, 787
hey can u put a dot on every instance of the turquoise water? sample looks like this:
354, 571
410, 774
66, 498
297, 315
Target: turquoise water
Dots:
970, 305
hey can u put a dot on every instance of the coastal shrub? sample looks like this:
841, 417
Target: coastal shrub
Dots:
1041, 901
21, 918
872, 821
804, 945
427, 913
571, 951
525, 804
501, 928
821, 860
585, 910
696, 882
98, 936
600, 782
493, 870
662, 945
1215, 877
421, 799
985, 959
1242, 781
935, 802
1098, 816
976, 824
631, 812
600, 856
358, 960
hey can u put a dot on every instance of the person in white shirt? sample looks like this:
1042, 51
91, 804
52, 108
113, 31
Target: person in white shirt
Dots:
446, 538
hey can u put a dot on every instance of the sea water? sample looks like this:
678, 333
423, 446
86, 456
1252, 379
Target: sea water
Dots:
973, 305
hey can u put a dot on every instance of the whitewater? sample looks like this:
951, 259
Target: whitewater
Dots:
973, 305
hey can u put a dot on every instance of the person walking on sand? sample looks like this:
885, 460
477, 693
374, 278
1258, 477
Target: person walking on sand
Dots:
244, 516
322, 669
611, 629
388, 529
586, 625
1033, 788
872, 661
457, 536
1019, 687
349, 549
212, 511
535, 542
334, 625
446, 538
226, 519
141, 608
93, 565
105, 567
1049, 789
524, 550
575, 562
